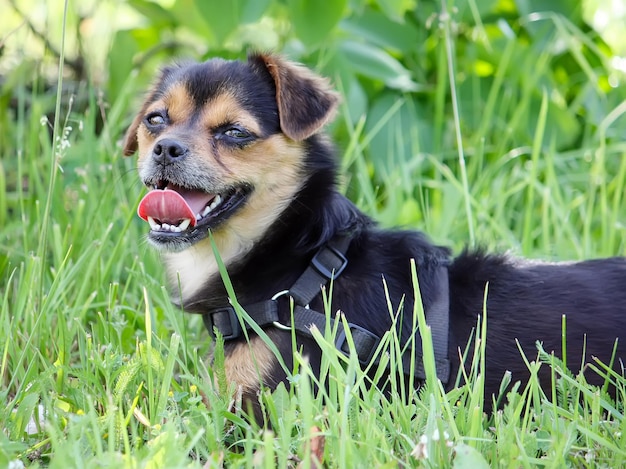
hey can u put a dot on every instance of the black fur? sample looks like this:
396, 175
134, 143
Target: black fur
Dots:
526, 300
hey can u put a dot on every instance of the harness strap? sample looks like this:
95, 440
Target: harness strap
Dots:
328, 263
438, 318
365, 342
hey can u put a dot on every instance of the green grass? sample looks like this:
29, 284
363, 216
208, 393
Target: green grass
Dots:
89, 338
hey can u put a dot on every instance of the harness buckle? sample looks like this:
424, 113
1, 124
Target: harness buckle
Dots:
278, 324
365, 343
225, 320
322, 266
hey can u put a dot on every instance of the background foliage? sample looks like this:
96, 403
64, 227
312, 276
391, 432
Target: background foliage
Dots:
494, 122
388, 58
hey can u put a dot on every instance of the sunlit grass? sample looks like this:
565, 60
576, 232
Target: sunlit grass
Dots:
98, 368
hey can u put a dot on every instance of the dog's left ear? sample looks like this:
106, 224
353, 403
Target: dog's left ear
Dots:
306, 101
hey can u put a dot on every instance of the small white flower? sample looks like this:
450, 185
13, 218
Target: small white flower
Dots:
420, 451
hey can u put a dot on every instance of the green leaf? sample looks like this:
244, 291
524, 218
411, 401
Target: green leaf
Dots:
571, 9
9, 451
157, 15
562, 126
345, 80
400, 134
222, 23
225, 17
252, 10
395, 9
313, 20
187, 13
377, 28
409, 213
374, 62
468, 458
356, 99
477, 10
121, 61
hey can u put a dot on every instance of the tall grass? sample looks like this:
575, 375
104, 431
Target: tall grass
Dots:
98, 369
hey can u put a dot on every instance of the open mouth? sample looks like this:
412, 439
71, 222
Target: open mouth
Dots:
172, 210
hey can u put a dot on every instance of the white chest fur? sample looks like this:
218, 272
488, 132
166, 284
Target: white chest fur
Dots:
189, 270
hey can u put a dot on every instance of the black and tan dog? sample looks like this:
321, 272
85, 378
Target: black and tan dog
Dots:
236, 149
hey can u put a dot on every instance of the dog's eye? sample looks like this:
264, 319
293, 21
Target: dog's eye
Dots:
237, 133
233, 134
155, 119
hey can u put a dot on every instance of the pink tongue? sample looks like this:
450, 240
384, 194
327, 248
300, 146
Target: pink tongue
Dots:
170, 206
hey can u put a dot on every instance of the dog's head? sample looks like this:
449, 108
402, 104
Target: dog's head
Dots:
222, 146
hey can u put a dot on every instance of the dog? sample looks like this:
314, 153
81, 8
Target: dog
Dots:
238, 166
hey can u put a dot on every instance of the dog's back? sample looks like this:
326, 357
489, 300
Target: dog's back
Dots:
528, 301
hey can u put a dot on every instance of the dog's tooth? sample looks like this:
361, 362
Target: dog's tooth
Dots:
166, 226
216, 201
184, 224
154, 226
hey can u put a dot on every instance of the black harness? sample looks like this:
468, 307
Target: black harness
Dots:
328, 263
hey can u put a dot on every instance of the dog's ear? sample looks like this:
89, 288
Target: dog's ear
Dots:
305, 100
129, 146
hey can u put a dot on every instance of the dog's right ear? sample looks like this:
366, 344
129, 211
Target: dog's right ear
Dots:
129, 146
306, 101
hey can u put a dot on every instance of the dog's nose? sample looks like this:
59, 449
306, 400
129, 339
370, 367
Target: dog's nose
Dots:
168, 151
